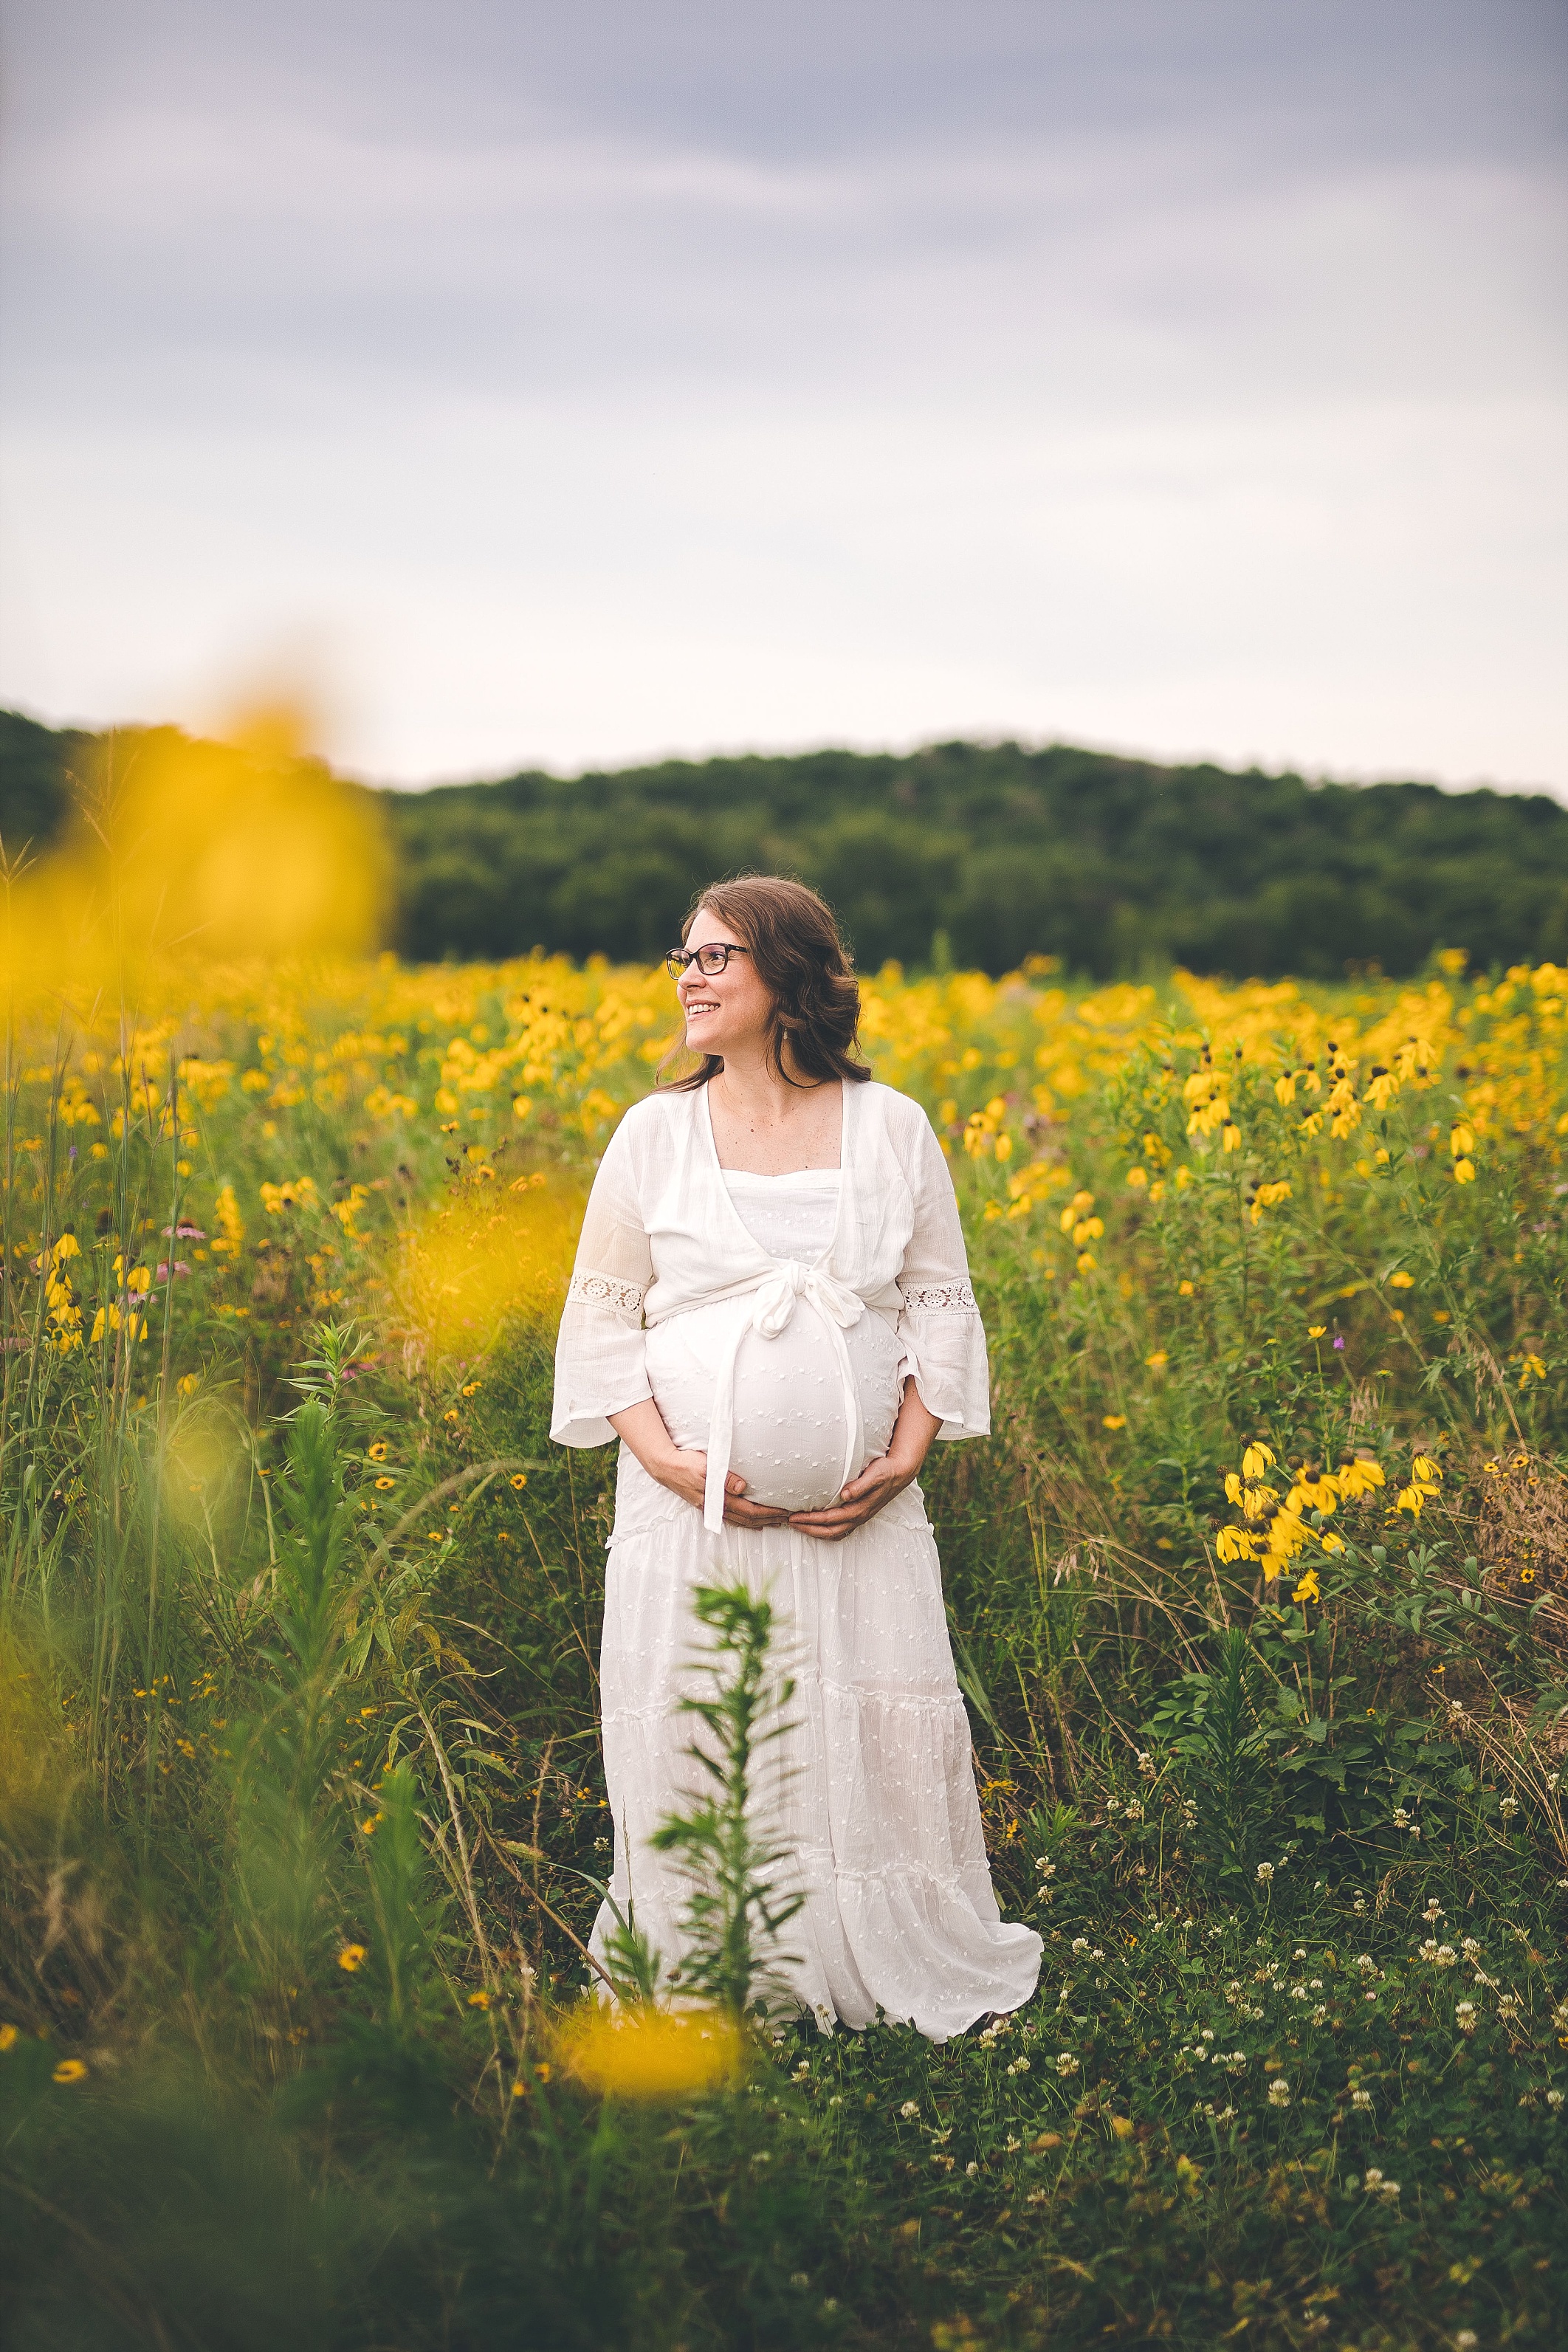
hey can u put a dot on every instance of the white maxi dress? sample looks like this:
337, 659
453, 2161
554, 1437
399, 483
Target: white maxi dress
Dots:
774, 1320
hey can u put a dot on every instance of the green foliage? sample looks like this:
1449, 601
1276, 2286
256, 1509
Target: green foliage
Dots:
733, 1914
302, 1825
985, 855
960, 852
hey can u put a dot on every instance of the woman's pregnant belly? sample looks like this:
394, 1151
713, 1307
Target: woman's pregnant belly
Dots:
792, 1425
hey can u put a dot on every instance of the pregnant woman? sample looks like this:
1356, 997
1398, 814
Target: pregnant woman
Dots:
770, 1310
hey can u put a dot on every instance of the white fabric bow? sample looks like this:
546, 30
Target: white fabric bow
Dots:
768, 1312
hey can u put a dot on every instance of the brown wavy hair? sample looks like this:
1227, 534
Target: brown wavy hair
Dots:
799, 954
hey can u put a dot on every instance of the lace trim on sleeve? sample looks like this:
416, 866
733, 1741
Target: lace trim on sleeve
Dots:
940, 1298
600, 1290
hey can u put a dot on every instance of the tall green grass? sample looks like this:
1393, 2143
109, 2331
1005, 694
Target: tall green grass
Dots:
301, 1816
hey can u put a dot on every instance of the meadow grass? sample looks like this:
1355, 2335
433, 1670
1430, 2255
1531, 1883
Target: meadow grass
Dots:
1256, 1597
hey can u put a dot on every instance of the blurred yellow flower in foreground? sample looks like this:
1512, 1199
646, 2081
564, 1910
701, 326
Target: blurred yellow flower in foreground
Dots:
70, 2070
481, 1259
650, 2053
246, 848
353, 1956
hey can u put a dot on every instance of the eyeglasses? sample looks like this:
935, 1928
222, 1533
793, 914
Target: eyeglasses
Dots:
709, 961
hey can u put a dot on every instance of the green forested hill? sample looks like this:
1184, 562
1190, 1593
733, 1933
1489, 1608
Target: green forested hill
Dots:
981, 852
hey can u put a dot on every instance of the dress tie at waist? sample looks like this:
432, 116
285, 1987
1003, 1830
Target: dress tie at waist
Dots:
768, 1312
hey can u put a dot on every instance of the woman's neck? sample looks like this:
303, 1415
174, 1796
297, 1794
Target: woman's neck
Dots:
766, 1126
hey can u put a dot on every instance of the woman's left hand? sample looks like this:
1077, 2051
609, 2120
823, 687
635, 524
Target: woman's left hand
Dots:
859, 1501
880, 1480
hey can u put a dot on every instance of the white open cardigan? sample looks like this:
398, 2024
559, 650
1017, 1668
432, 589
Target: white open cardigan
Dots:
661, 1236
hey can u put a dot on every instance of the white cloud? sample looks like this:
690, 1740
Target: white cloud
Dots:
586, 438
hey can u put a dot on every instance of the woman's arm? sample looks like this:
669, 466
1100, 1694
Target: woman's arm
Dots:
880, 1480
642, 1427
599, 1353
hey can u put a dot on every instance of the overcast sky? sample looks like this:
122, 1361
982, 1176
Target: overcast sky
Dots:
548, 383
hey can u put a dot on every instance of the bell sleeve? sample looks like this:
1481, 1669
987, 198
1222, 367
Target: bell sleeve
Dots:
599, 1365
938, 1324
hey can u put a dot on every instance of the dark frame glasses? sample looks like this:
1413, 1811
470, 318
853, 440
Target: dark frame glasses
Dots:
710, 961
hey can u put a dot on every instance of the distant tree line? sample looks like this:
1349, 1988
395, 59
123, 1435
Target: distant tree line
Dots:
971, 853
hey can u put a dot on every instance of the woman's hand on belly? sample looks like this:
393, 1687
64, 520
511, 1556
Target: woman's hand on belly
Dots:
880, 1480
683, 1470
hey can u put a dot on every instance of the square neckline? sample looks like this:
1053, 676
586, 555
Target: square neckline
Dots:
724, 1174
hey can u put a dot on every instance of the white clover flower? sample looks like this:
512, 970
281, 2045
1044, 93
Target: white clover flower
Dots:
1429, 1949
1365, 1963
1359, 1906
1470, 1946
1554, 2098
1264, 1873
1465, 2017
1133, 1811
1315, 1984
1065, 2062
1081, 1943
1299, 1992
1466, 2340
1207, 2033
1445, 1956
1299, 1953
1433, 1912
1361, 2099
909, 2109
1509, 1807
1318, 2014
970, 2170
1019, 2066
1278, 2093
1046, 1869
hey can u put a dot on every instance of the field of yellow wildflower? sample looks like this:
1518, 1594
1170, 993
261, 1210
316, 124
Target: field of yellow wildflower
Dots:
1256, 1594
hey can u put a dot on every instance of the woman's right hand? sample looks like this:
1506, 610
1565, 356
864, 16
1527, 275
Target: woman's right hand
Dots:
686, 1475
683, 1471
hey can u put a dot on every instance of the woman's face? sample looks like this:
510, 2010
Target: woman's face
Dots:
728, 1012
